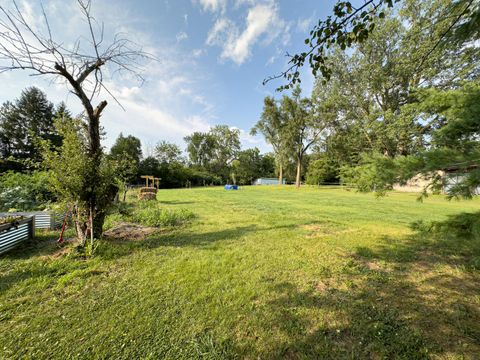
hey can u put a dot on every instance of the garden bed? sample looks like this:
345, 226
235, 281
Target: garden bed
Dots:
43, 219
14, 232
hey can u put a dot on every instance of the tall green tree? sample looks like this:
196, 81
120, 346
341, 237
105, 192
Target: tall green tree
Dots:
272, 125
250, 165
303, 128
227, 146
168, 153
450, 163
23, 122
125, 156
351, 24
214, 150
130, 146
368, 88
200, 148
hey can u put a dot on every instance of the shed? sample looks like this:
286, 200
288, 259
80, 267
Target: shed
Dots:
268, 181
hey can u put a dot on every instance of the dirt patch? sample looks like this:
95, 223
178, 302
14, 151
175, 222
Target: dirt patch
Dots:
52, 250
129, 231
321, 286
313, 227
370, 265
318, 230
321, 230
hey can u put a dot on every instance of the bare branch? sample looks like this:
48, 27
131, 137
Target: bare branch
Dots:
81, 65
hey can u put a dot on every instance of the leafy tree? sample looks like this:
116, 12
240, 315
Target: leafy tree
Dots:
166, 152
350, 25
267, 165
127, 146
250, 165
364, 101
323, 170
214, 150
125, 156
149, 166
200, 148
30, 117
302, 130
227, 146
70, 166
454, 147
271, 125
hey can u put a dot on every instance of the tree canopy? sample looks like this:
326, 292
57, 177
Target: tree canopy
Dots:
25, 121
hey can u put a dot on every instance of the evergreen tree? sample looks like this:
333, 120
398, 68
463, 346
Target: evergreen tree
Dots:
22, 123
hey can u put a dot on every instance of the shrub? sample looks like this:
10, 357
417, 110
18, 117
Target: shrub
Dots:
25, 191
463, 225
321, 171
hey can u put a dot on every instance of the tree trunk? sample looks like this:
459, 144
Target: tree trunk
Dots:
299, 173
95, 153
280, 175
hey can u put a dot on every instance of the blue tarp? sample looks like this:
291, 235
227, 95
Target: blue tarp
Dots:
231, 187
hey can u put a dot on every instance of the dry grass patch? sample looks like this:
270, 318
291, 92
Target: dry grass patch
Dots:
129, 231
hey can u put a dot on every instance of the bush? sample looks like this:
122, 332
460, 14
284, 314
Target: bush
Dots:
322, 171
152, 214
463, 225
25, 191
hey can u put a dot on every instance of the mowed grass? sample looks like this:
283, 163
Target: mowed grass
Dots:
261, 273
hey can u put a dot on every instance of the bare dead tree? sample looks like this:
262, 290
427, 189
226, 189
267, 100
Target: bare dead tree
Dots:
81, 66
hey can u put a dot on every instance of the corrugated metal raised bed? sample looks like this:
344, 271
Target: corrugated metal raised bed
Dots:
13, 233
43, 219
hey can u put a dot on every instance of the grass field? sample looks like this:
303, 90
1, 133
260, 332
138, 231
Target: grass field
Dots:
264, 272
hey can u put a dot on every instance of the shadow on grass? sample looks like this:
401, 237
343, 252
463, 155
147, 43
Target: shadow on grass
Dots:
172, 238
174, 202
181, 237
406, 298
43, 244
354, 324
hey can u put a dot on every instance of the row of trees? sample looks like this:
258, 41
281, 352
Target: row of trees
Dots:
212, 158
30, 122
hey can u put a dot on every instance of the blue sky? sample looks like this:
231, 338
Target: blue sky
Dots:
213, 56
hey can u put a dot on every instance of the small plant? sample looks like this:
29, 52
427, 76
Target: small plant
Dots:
10, 219
151, 215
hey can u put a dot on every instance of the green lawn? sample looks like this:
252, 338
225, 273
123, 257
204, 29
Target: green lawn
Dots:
261, 273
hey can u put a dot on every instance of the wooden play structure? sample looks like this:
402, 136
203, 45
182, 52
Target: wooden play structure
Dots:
149, 192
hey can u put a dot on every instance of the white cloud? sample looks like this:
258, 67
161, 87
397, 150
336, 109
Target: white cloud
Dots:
196, 53
182, 35
249, 141
263, 24
213, 5
169, 105
304, 25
